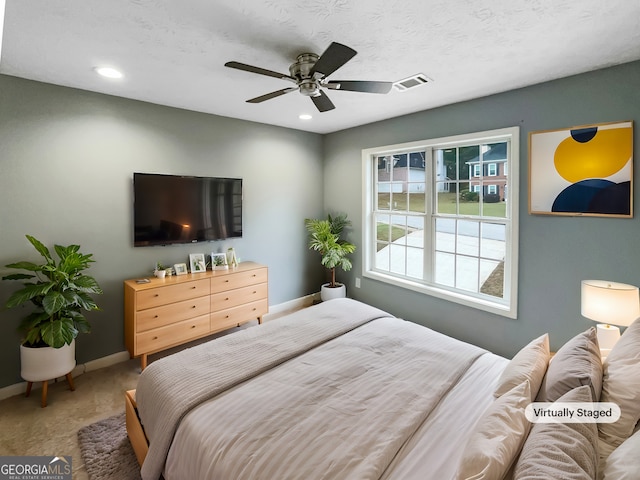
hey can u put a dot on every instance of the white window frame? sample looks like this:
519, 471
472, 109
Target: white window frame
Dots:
506, 306
492, 167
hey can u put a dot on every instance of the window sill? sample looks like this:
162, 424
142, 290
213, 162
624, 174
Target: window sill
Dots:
480, 303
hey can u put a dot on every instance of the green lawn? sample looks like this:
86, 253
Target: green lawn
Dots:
446, 204
383, 233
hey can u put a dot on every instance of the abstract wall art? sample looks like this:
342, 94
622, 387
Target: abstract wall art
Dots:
585, 170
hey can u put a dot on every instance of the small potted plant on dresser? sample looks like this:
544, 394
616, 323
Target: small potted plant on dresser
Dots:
324, 237
59, 291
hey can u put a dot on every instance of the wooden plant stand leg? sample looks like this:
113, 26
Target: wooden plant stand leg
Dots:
70, 380
43, 400
45, 387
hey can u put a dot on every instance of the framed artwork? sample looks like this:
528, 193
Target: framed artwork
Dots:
219, 261
180, 268
585, 170
197, 263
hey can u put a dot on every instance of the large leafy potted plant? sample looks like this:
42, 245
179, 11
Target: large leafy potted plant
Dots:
59, 292
324, 237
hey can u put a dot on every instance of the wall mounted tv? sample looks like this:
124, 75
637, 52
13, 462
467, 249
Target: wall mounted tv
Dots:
170, 209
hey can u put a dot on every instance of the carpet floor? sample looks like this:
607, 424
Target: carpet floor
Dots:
106, 450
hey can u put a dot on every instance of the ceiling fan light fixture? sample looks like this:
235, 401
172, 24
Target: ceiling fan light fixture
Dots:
305, 116
108, 72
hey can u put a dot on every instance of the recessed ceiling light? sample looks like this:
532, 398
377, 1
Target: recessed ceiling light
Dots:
108, 72
305, 116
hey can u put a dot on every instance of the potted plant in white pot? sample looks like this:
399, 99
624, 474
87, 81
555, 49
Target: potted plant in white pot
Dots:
324, 237
59, 291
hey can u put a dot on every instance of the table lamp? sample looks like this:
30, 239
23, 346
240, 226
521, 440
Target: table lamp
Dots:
611, 304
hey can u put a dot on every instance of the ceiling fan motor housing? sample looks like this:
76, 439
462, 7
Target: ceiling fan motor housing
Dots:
301, 71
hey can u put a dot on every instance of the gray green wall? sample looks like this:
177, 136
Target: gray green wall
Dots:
66, 164
67, 158
556, 253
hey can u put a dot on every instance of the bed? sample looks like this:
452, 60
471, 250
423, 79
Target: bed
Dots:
338, 390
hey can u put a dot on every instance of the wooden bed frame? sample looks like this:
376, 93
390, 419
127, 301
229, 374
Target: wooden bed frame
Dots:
138, 439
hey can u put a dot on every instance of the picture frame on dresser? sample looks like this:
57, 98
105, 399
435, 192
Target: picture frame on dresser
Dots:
219, 261
197, 263
180, 268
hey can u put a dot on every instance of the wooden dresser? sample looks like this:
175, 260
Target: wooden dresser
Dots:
174, 310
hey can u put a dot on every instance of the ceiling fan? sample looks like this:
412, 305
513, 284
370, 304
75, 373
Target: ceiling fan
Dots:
310, 72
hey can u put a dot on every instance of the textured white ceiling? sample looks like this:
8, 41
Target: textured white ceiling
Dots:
173, 52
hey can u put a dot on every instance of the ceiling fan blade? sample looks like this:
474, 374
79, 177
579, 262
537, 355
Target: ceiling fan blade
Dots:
322, 102
271, 95
360, 86
258, 70
335, 56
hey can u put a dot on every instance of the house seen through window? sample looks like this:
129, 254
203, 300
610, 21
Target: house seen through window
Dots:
440, 217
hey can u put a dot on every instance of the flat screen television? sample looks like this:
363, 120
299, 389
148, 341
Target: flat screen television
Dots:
170, 209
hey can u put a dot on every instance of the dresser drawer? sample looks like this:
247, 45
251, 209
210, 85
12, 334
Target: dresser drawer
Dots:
230, 281
167, 314
233, 316
171, 293
170, 335
239, 296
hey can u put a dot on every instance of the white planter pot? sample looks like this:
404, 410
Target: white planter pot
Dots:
46, 363
328, 293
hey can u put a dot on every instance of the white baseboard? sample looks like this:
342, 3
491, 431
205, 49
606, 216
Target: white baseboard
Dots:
281, 309
275, 311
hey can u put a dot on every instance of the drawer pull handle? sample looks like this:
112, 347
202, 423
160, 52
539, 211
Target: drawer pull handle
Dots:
226, 281
226, 316
155, 338
254, 292
193, 288
254, 309
226, 299
155, 316
193, 326
157, 295
193, 306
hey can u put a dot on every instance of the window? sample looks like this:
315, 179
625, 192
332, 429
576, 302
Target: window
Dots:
432, 224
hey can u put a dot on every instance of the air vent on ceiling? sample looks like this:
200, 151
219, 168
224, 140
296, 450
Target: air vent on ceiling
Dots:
411, 82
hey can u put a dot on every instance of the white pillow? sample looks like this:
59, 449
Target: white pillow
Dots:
624, 462
497, 438
621, 385
565, 451
576, 363
530, 363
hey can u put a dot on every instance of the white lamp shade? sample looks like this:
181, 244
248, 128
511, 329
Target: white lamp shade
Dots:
610, 302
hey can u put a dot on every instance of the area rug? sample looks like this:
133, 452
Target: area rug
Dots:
106, 450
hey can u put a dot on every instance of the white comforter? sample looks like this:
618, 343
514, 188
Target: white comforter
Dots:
388, 399
169, 388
